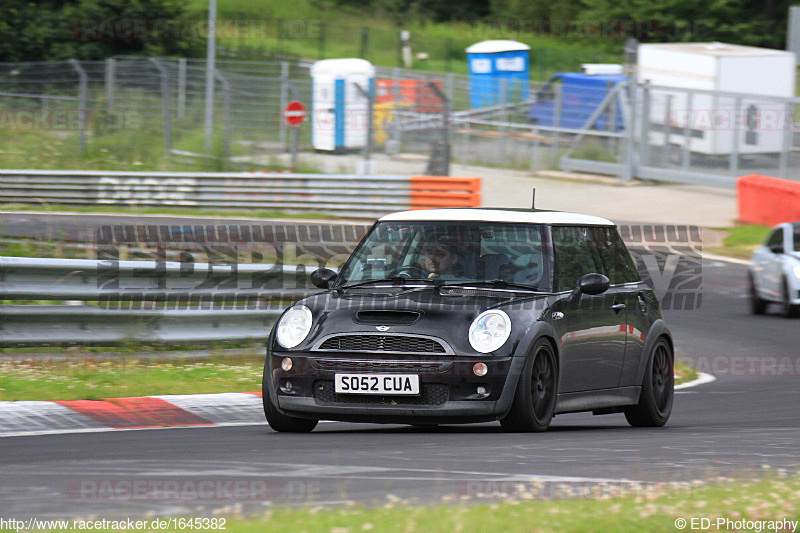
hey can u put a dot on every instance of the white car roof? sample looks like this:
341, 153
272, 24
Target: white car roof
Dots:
497, 215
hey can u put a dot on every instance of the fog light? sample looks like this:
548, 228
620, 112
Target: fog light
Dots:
287, 385
480, 369
286, 364
481, 391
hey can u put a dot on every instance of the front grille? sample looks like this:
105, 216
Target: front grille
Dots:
431, 395
382, 343
346, 365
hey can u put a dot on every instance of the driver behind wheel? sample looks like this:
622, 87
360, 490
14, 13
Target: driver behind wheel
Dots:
438, 258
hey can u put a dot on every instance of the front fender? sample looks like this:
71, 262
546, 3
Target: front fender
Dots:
791, 278
268, 385
535, 332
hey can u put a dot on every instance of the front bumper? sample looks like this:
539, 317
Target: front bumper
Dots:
449, 390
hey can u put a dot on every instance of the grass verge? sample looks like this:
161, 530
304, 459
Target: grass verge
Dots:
134, 149
651, 510
768, 504
645, 509
684, 373
742, 240
93, 378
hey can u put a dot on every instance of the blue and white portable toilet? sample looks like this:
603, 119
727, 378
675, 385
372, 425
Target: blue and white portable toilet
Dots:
490, 62
340, 112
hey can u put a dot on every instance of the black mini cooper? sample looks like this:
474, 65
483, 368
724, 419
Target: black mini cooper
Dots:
474, 315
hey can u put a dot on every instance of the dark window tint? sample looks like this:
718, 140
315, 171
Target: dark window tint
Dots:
458, 251
618, 264
776, 239
796, 243
576, 255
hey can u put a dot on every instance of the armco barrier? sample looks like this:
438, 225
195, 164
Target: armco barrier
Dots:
141, 301
443, 191
351, 196
768, 201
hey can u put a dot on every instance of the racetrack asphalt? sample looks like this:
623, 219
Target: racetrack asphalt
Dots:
746, 421
741, 425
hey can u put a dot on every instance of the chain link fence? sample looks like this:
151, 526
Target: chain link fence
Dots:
89, 100
656, 133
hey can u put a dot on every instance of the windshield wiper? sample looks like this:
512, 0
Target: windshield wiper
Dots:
493, 284
394, 280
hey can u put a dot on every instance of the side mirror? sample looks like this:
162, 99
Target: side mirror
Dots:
593, 284
322, 278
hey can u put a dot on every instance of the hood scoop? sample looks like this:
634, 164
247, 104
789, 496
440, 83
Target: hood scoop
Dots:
380, 317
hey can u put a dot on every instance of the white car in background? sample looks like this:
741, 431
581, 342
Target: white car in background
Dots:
775, 271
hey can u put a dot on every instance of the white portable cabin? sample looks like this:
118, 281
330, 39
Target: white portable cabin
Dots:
340, 112
714, 121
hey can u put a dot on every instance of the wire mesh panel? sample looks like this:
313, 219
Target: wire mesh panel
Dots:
127, 103
687, 133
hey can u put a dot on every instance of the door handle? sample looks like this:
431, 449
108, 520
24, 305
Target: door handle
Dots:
618, 307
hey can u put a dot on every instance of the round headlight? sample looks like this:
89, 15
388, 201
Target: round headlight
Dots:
294, 326
489, 331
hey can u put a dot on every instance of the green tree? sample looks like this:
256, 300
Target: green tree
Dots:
28, 30
435, 10
734, 21
540, 12
90, 29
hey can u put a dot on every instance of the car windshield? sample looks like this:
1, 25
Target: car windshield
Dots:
455, 252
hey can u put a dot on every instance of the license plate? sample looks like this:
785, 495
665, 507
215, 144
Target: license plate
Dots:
394, 384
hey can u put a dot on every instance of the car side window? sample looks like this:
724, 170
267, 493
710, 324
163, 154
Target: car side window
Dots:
617, 260
512, 254
796, 237
776, 239
576, 255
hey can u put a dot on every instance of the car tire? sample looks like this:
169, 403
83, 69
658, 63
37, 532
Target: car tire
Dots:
789, 310
534, 401
658, 389
757, 305
279, 421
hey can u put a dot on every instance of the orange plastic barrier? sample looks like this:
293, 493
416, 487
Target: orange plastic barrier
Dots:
415, 93
768, 201
444, 191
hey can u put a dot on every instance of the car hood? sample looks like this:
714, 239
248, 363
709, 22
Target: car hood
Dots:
423, 312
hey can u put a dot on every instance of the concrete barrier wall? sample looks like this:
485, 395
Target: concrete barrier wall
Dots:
768, 201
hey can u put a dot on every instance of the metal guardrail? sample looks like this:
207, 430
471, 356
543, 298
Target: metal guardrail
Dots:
23, 278
349, 196
46, 325
189, 303
342, 195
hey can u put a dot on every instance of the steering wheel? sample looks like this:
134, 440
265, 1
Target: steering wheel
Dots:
411, 271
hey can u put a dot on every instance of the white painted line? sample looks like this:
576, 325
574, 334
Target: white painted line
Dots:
702, 379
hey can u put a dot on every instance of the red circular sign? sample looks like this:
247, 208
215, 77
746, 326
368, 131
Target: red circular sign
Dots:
295, 113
